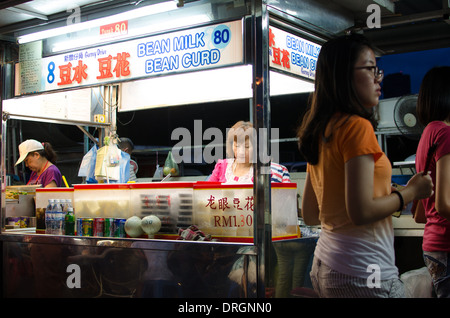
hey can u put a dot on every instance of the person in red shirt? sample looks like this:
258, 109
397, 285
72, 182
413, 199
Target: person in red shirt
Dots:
433, 110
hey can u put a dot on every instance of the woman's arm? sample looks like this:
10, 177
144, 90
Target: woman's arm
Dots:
310, 207
419, 212
218, 174
442, 199
51, 184
362, 207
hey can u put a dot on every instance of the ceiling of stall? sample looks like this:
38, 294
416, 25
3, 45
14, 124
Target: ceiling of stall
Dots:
415, 25
406, 25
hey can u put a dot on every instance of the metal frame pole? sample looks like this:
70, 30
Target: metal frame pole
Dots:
261, 121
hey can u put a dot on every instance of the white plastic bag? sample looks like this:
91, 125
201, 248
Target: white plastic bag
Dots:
107, 164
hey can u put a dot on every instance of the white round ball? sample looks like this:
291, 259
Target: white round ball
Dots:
151, 224
133, 226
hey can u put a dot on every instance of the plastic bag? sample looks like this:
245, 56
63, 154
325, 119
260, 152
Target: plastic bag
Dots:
106, 167
87, 166
170, 166
89, 163
117, 174
158, 172
124, 167
112, 155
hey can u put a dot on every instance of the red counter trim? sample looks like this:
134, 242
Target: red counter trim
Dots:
217, 185
54, 189
161, 185
102, 186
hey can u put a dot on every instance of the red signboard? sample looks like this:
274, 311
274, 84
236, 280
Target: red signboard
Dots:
114, 29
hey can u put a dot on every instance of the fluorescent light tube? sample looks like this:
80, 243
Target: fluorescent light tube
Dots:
169, 24
132, 14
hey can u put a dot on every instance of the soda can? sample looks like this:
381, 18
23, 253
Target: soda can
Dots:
119, 227
109, 227
79, 227
87, 227
99, 225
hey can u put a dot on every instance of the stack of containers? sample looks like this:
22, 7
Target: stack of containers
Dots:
171, 202
225, 211
101, 209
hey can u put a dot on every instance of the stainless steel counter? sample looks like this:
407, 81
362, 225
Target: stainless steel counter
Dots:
406, 226
36, 265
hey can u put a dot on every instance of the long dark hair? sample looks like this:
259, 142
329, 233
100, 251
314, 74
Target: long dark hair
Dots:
334, 92
48, 152
433, 102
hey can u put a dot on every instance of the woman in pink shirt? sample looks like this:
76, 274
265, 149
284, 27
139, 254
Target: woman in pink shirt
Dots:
238, 167
433, 110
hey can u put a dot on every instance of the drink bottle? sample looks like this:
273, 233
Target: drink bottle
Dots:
59, 218
49, 217
69, 221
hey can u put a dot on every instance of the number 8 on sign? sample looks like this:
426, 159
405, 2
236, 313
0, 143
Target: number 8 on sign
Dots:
221, 36
51, 74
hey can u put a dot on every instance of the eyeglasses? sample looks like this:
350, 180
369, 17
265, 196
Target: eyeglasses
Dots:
379, 74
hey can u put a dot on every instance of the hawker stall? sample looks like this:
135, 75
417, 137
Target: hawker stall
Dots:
164, 238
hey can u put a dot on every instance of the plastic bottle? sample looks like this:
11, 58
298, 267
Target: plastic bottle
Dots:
69, 204
59, 218
64, 207
49, 217
69, 226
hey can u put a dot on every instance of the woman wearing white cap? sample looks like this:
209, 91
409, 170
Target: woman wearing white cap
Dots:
40, 158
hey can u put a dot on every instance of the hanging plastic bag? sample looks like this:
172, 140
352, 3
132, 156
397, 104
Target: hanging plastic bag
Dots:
124, 167
170, 166
100, 164
113, 155
158, 172
87, 166
107, 162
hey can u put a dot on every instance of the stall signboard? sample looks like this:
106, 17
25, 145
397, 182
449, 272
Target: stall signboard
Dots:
199, 48
226, 211
292, 54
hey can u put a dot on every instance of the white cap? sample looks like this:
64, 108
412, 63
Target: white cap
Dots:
26, 147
